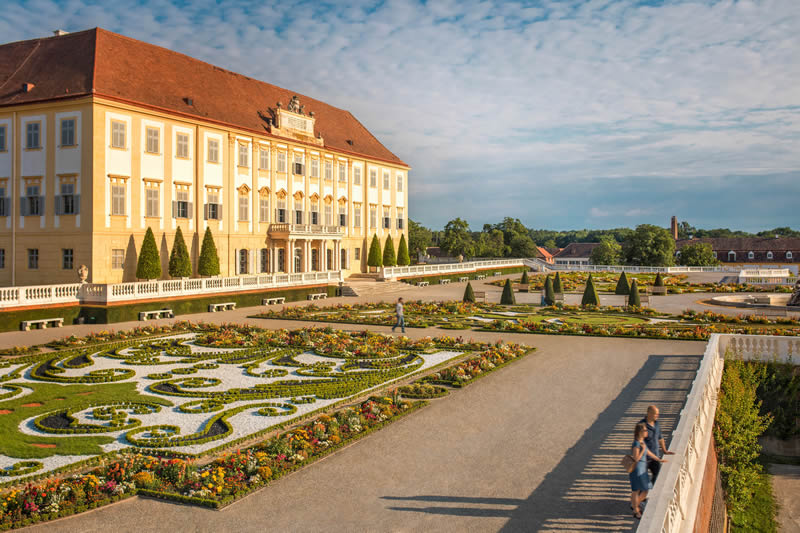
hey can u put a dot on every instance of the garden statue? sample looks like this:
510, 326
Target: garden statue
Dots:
294, 104
794, 301
460, 258
83, 273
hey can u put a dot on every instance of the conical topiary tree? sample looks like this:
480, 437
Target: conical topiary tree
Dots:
208, 263
508, 294
557, 288
180, 266
623, 287
549, 293
658, 281
590, 293
389, 259
403, 259
374, 258
149, 265
524, 280
469, 294
633, 298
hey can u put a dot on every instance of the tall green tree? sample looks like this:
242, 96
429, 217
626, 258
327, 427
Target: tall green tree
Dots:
522, 246
590, 296
549, 293
149, 265
403, 259
649, 246
388, 252
491, 244
557, 287
623, 287
634, 299
208, 263
608, 252
507, 298
375, 259
457, 239
469, 294
419, 239
697, 254
180, 266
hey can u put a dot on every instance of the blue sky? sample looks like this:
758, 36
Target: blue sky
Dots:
565, 114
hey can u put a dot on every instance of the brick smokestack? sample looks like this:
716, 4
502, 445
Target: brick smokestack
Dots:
673, 226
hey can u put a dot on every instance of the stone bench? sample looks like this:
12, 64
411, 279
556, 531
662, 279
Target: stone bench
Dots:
497, 273
226, 306
658, 291
462, 279
318, 296
156, 313
480, 295
272, 301
42, 323
444, 281
480, 276
423, 283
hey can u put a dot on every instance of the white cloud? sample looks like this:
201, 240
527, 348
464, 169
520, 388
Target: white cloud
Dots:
597, 212
490, 95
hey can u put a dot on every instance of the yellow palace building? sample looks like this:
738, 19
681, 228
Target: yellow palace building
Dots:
103, 136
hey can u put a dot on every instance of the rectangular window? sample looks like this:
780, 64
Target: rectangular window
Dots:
33, 201
373, 216
342, 215
244, 160
33, 258
399, 183
357, 216
67, 255
182, 204
263, 209
298, 211
356, 175
281, 214
357, 254
386, 180
243, 261
3, 209
32, 138
315, 213
117, 258
213, 151
213, 211
373, 178
263, 158
244, 207
68, 201
281, 161
117, 198
182, 146
153, 140
264, 258
328, 215
151, 202
3, 139
400, 218
387, 223
342, 172
68, 132
2, 257
298, 167
328, 170
117, 134
315, 168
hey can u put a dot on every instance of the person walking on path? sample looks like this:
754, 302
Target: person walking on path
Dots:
655, 442
398, 309
640, 480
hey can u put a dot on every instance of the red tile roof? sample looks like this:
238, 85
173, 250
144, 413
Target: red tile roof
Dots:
110, 65
745, 244
578, 249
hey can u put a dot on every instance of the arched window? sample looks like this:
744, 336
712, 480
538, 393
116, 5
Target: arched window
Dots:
789, 255
769, 255
751, 255
731, 256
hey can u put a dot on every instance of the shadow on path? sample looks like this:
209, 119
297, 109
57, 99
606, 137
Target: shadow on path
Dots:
588, 490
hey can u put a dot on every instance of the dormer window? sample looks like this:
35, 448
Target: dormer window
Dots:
789, 256
751, 255
769, 256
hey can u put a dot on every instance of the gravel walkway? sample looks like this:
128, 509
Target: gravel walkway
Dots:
532, 447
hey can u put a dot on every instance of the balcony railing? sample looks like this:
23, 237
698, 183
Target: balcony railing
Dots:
306, 229
120, 292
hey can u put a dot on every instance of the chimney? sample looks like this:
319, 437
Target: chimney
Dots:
673, 225
59, 33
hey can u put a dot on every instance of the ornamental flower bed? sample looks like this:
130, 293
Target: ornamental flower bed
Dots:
465, 372
215, 484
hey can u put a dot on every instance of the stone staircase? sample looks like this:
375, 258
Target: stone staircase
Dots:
347, 290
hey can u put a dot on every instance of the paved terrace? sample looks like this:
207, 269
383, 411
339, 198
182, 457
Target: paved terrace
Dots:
532, 447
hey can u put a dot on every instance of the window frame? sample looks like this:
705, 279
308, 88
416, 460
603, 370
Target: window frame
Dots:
357, 175
243, 207
34, 200
29, 132
387, 180
119, 199
182, 142
263, 158
150, 203
328, 170
263, 208
117, 125
74, 132
156, 139
67, 258
314, 167
3, 138
214, 150
281, 162
373, 178
342, 172
33, 259
117, 258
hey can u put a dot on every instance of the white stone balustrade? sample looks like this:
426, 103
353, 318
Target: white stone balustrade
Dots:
672, 505
40, 295
447, 268
761, 276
